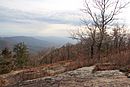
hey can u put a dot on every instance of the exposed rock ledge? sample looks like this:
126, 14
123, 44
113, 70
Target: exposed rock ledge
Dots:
82, 77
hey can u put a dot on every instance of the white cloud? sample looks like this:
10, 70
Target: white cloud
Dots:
42, 17
15, 22
41, 5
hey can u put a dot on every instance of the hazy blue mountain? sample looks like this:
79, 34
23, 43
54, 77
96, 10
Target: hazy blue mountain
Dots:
58, 41
34, 43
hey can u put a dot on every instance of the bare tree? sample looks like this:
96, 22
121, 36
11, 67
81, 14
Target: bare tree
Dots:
102, 14
119, 37
86, 35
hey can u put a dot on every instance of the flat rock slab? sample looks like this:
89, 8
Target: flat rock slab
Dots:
82, 77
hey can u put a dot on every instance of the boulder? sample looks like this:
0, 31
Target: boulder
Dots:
125, 69
105, 66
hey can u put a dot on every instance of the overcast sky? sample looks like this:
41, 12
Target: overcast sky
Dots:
42, 17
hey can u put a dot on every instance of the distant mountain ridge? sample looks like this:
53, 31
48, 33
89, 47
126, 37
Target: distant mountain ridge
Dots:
58, 41
33, 43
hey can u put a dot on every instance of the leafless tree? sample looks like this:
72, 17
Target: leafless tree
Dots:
102, 14
119, 36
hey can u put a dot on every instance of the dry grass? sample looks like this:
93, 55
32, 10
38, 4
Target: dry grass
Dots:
110, 62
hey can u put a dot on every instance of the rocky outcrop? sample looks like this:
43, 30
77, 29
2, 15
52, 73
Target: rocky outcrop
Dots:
126, 70
105, 66
11, 78
16, 77
59, 75
82, 77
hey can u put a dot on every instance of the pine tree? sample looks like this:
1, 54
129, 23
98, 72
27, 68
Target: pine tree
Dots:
21, 54
6, 61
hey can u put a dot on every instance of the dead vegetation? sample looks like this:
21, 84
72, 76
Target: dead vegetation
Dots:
96, 46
